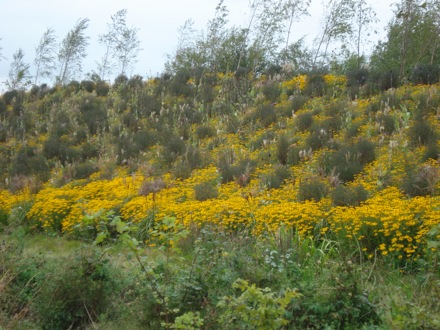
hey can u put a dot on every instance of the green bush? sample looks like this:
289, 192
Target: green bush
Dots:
283, 149
206, 190
298, 102
173, 148
255, 308
266, 115
102, 88
387, 123
83, 170
315, 85
312, 189
421, 181
205, 131
426, 74
275, 178
304, 120
421, 133
348, 196
88, 86
232, 169
74, 295
271, 91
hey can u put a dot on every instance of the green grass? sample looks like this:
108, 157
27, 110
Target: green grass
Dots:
149, 287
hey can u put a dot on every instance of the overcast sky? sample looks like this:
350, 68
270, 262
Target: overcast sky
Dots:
23, 22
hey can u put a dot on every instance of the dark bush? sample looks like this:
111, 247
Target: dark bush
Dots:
426, 74
182, 170
145, 139
55, 148
357, 78
205, 131
73, 87
9, 96
83, 170
298, 102
173, 148
93, 113
432, 151
89, 150
231, 169
74, 295
120, 81
275, 178
304, 120
318, 139
293, 155
205, 190
312, 189
179, 85
421, 133
271, 91
315, 85
88, 86
366, 151
387, 123
28, 162
136, 82
348, 196
353, 130
3, 109
102, 88
266, 115
152, 186
388, 80
283, 149
421, 181
80, 135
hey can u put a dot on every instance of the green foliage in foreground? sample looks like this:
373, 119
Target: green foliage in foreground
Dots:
204, 278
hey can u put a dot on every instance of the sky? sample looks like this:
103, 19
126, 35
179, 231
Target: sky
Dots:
23, 22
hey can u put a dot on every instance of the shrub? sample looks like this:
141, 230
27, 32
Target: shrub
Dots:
283, 149
315, 85
88, 86
271, 91
426, 74
387, 80
230, 169
173, 148
298, 102
152, 186
366, 150
102, 88
205, 131
432, 151
318, 139
3, 109
182, 170
348, 196
93, 113
312, 189
387, 124
275, 177
421, 133
74, 295
84, 170
421, 181
266, 115
304, 120
255, 308
206, 190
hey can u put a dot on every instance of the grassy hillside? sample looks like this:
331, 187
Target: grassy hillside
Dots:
311, 197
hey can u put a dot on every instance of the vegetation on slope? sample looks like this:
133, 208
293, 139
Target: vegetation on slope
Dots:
218, 190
